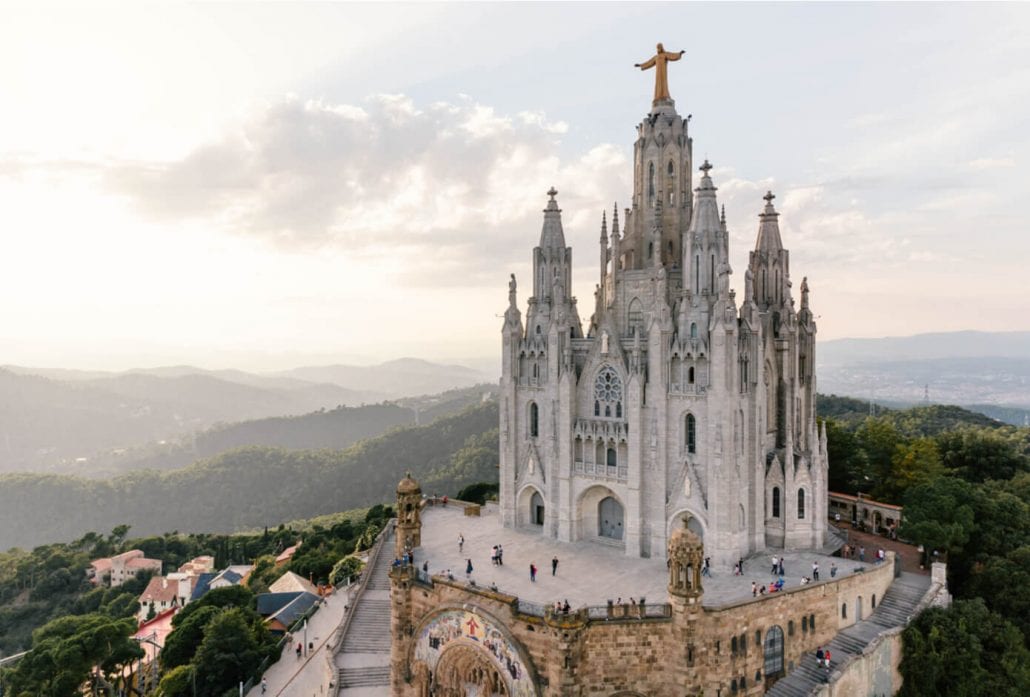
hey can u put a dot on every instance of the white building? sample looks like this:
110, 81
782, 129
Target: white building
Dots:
676, 401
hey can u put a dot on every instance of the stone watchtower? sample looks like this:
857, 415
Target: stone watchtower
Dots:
409, 520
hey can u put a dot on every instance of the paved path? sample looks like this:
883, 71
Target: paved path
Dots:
909, 554
307, 676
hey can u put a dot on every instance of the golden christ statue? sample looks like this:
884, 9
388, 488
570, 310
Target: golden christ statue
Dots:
661, 72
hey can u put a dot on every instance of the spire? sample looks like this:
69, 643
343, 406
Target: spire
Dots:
552, 236
615, 221
706, 209
768, 229
722, 218
604, 226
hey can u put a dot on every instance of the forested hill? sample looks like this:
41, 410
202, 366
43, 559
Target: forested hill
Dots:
925, 420
327, 428
254, 486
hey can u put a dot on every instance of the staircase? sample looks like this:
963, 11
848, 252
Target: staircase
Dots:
894, 610
363, 660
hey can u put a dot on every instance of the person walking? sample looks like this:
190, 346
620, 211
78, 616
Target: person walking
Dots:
425, 566
706, 570
532, 572
815, 571
780, 572
754, 589
861, 553
775, 561
468, 569
264, 685
461, 542
493, 555
500, 555
554, 566
833, 569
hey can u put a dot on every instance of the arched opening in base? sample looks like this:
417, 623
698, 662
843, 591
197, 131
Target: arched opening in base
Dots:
468, 671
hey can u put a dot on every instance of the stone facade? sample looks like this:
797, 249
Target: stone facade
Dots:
451, 638
675, 402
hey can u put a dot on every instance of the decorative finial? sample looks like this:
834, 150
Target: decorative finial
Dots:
723, 214
552, 192
769, 196
604, 225
615, 220
706, 167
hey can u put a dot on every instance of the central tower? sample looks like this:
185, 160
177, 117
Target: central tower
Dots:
675, 406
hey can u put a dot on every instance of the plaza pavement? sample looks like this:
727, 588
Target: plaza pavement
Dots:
589, 573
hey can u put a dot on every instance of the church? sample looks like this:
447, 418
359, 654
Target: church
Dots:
643, 453
676, 402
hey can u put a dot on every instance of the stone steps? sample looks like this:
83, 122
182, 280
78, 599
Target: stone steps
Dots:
370, 676
894, 610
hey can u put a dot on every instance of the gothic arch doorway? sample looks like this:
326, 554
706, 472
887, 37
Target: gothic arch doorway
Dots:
467, 671
610, 518
531, 509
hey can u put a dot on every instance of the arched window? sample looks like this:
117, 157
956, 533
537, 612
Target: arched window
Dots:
801, 504
874, 601
743, 644
844, 611
690, 375
697, 278
804, 624
790, 629
534, 420
693, 330
733, 687
618, 410
650, 250
538, 329
773, 651
611, 458
536, 371
758, 637
733, 646
691, 434
650, 185
776, 502
671, 170
811, 622
597, 408
608, 410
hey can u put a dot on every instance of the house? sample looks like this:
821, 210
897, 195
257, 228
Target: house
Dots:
199, 565
231, 576
293, 583
201, 585
286, 555
121, 568
280, 622
164, 593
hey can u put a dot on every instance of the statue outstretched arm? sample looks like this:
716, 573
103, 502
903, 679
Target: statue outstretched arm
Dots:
674, 56
649, 64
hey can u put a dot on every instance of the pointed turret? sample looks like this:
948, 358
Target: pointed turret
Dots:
707, 245
552, 236
768, 229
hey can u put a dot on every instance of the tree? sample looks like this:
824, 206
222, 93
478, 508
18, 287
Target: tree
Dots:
879, 438
478, 493
348, 567
849, 467
913, 463
228, 654
182, 643
939, 515
177, 682
1002, 583
964, 651
66, 650
977, 454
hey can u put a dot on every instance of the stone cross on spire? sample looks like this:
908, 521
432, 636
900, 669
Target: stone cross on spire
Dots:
769, 196
705, 167
552, 192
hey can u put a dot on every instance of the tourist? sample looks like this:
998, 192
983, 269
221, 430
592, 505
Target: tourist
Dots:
826, 656
706, 570
861, 553
532, 572
761, 589
500, 555
300, 649
425, 566
554, 566
754, 589
836, 518
775, 561
566, 607
779, 571
493, 555
819, 655
493, 586
468, 569
461, 542
804, 580
264, 685
833, 570
815, 571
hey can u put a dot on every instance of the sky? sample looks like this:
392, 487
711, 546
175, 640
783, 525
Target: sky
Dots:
267, 185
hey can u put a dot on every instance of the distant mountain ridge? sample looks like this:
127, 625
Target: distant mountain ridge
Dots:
52, 417
962, 344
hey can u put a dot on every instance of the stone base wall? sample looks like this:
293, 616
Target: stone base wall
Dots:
690, 650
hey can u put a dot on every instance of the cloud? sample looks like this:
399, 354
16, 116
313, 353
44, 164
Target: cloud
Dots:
448, 184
